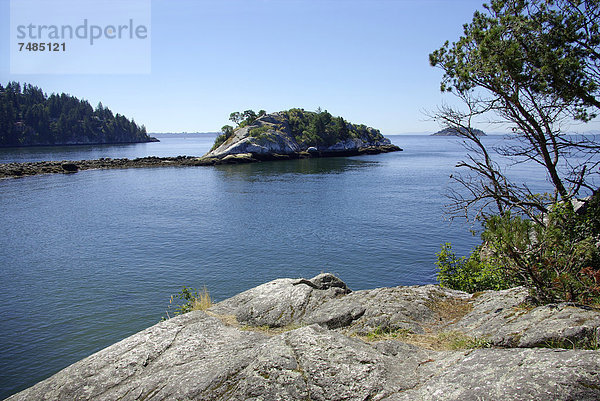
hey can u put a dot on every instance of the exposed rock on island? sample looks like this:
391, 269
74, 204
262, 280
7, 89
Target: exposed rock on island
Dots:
293, 339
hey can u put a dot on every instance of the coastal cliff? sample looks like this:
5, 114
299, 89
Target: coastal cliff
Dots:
315, 339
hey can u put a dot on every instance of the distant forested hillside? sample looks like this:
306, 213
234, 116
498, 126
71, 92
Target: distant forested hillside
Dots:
29, 117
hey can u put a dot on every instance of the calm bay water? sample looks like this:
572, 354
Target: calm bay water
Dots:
91, 258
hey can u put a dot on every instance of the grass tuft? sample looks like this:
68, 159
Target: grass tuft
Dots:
202, 301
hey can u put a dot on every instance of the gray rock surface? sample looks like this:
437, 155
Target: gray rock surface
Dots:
298, 339
505, 318
512, 374
281, 302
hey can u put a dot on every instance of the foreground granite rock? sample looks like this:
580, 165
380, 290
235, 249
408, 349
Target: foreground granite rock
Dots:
314, 339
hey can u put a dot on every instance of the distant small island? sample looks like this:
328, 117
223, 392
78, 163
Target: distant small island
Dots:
458, 132
28, 117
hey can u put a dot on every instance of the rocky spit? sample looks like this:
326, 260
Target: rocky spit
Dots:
300, 339
16, 170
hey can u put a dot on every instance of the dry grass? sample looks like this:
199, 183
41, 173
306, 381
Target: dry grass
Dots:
442, 341
525, 306
450, 310
228, 320
203, 301
380, 334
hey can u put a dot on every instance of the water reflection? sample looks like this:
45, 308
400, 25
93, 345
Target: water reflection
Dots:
170, 145
280, 170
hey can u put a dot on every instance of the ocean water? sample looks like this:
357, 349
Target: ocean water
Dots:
90, 258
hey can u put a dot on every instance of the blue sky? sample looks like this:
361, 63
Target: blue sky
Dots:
366, 60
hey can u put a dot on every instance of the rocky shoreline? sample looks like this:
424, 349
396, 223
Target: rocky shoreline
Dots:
16, 170
315, 339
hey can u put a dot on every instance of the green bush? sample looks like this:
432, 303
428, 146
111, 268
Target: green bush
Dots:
321, 128
558, 260
257, 132
192, 299
219, 140
470, 274
227, 132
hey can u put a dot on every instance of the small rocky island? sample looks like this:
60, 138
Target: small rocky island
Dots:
301, 339
296, 133
292, 134
458, 132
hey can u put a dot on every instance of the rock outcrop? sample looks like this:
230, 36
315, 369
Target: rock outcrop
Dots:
293, 339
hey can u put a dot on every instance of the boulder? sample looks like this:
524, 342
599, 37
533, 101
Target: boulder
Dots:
510, 374
238, 158
281, 302
70, 167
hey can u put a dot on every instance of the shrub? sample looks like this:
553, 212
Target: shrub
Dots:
257, 132
558, 260
470, 274
227, 132
218, 141
321, 128
192, 300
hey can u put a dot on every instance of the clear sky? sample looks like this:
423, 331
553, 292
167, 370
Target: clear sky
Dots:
366, 60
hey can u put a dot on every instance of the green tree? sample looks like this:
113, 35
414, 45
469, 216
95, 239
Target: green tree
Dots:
227, 130
249, 116
531, 65
236, 117
226, 133
341, 128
